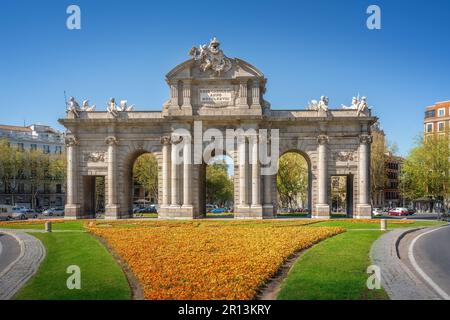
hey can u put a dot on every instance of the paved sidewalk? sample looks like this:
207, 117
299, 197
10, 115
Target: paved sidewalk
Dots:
396, 278
14, 276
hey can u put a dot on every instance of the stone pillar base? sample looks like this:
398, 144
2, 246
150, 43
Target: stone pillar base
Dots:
177, 212
72, 211
322, 212
248, 212
113, 212
268, 211
363, 211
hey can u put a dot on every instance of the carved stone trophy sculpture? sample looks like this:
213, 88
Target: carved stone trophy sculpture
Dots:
362, 106
211, 57
112, 107
353, 106
321, 105
73, 107
86, 107
124, 107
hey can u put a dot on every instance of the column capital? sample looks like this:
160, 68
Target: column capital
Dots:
176, 139
71, 141
111, 141
166, 140
365, 139
322, 139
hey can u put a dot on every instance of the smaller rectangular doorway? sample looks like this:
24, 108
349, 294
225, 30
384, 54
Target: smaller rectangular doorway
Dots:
342, 196
94, 196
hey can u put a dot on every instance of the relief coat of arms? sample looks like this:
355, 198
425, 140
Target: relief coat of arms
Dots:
211, 57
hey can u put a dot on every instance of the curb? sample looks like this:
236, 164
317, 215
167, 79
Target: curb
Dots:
18, 272
399, 282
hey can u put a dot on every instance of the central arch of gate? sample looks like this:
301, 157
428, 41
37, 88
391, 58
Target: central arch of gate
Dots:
215, 101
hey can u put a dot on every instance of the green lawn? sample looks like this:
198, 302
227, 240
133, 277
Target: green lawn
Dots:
66, 225
336, 268
333, 269
101, 276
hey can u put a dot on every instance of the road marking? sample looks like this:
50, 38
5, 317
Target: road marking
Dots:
1, 248
436, 288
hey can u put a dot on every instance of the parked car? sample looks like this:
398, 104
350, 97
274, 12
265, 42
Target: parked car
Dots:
210, 207
411, 211
6, 212
150, 209
218, 210
53, 212
377, 212
24, 214
399, 212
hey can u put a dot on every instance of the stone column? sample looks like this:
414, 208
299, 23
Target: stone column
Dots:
255, 94
174, 94
112, 210
174, 172
242, 147
322, 206
256, 178
243, 94
364, 208
72, 208
187, 172
165, 141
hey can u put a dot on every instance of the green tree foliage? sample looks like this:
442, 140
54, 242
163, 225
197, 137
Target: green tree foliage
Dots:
32, 166
12, 165
219, 186
378, 177
145, 173
426, 170
292, 179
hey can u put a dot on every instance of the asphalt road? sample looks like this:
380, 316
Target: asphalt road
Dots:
431, 252
9, 250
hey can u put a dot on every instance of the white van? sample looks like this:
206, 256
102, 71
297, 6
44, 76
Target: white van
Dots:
6, 212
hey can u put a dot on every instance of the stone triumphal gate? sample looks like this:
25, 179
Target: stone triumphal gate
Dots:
220, 93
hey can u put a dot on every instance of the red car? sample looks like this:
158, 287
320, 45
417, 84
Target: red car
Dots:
398, 212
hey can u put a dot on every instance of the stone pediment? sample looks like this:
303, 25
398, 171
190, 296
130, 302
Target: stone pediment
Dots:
190, 69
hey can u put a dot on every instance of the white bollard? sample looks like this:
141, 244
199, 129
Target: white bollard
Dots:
48, 226
383, 225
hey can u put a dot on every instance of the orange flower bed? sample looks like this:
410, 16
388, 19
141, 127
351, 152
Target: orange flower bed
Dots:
208, 259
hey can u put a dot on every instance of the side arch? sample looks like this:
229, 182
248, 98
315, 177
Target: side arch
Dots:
310, 174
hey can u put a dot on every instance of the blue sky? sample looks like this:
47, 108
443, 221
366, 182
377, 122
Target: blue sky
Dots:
305, 49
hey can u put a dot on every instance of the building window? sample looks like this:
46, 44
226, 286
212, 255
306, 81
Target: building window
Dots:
46, 148
58, 149
441, 112
430, 114
33, 147
21, 188
58, 201
20, 147
441, 126
58, 188
46, 188
429, 127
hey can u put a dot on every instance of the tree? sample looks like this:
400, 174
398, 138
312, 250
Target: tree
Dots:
11, 167
378, 177
292, 179
219, 186
145, 173
37, 165
426, 170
